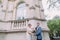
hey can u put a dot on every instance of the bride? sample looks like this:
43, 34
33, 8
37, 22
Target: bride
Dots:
29, 32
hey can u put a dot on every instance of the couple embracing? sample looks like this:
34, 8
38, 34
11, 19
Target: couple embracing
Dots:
37, 31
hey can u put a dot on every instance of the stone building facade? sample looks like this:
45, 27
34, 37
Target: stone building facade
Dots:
15, 16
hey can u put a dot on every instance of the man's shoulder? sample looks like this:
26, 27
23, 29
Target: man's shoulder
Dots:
39, 26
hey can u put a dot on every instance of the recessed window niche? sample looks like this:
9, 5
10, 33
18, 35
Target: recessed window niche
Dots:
21, 11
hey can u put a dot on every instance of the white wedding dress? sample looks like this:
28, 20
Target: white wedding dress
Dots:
29, 36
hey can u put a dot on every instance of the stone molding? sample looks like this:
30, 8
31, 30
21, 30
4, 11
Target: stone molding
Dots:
37, 5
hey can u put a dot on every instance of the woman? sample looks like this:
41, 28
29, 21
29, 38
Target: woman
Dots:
29, 32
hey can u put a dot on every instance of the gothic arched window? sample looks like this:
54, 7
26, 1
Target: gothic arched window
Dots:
21, 11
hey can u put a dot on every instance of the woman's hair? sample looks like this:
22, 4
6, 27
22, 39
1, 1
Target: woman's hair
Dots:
29, 25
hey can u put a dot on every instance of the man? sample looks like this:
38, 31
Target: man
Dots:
38, 32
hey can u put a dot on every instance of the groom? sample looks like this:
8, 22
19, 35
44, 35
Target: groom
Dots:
38, 32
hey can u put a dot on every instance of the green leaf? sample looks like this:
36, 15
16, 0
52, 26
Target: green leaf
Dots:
54, 26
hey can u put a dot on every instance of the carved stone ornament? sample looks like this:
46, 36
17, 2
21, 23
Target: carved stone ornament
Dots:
1, 5
11, 0
42, 10
39, 0
32, 7
3, 10
10, 11
27, 4
37, 5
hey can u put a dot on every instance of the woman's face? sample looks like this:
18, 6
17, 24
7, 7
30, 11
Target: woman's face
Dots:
29, 25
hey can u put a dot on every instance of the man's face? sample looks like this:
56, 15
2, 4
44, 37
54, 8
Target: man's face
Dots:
38, 24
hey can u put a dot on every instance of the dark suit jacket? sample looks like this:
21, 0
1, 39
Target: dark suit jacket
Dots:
38, 32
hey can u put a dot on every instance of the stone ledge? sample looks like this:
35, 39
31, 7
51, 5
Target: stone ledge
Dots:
45, 30
18, 30
21, 20
13, 31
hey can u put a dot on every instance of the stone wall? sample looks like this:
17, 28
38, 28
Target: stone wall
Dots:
13, 36
21, 35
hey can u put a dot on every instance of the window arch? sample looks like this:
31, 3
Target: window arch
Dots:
21, 11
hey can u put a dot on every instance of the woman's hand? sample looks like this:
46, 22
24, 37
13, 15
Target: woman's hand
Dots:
30, 33
33, 28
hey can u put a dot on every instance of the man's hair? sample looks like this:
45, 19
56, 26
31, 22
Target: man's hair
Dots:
38, 23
